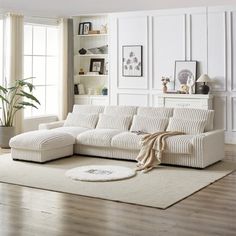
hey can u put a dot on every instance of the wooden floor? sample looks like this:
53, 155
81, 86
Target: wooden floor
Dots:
211, 211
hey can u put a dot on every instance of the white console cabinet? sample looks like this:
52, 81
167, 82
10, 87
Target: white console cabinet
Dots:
91, 99
186, 100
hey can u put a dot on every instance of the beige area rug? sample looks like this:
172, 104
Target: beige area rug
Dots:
161, 187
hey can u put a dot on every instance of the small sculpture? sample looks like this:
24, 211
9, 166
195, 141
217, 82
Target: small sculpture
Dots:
81, 71
104, 29
82, 51
190, 83
165, 81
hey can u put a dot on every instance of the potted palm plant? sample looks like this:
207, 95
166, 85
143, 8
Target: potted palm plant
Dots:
14, 98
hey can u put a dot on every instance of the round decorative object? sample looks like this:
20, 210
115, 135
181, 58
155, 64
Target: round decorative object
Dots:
203, 89
82, 51
100, 173
183, 76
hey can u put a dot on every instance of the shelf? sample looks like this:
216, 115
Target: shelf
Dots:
90, 95
91, 35
92, 55
92, 75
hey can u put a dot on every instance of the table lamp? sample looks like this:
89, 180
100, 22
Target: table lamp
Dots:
203, 89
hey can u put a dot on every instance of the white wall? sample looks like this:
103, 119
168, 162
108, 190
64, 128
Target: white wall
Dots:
207, 35
77, 7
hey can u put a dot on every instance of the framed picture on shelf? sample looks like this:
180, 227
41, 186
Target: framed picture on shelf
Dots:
97, 65
87, 26
81, 27
132, 61
84, 28
184, 72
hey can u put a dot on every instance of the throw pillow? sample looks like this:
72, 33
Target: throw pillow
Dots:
114, 122
81, 120
148, 124
195, 114
187, 126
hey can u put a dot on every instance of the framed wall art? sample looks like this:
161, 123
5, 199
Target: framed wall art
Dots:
184, 71
132, 61
97, 65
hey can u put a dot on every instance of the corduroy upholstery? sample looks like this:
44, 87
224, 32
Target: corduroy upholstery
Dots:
113, 138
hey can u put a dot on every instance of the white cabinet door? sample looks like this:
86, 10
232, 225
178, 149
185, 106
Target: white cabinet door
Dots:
91, 100
82, 101
99, 101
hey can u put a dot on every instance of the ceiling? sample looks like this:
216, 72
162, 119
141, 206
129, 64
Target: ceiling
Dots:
59, 8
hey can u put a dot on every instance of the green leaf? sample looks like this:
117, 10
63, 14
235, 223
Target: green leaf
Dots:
19, 107
12, 88
28, 104
4, 99
29, 96
4, 90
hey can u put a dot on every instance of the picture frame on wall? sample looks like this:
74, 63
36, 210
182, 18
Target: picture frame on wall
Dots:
184, 71
97, 65
84, 28
132, 61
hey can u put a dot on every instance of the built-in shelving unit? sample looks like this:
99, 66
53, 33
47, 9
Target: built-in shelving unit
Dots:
92, 35
92, 84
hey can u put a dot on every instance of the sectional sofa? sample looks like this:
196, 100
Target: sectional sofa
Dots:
116, 132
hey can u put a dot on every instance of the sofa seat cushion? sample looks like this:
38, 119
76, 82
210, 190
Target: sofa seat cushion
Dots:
74, 131
97, 137
179, 144
127, 140
42, 140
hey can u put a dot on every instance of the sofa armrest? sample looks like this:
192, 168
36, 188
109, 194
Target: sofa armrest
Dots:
51, 125
209, 146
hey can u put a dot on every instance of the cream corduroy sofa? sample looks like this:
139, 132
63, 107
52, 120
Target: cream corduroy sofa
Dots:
111, 132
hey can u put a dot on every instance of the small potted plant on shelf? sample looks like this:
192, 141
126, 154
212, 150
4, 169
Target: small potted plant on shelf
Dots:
165, 81
14, 98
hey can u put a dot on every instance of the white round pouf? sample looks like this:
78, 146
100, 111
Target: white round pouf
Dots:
96, 173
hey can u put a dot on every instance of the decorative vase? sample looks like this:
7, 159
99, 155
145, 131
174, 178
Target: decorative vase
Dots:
104, 91
6, 133
164, 89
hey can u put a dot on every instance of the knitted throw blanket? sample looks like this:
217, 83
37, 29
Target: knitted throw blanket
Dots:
148, 158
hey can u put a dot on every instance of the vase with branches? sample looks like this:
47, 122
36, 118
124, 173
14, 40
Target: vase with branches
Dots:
14, 98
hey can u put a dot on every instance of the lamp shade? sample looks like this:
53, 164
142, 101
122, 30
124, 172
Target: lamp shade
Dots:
204, 79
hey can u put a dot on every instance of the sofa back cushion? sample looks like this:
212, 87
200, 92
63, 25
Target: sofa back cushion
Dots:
186, 126
148, 124
118, 122
195, 114
155, 111
120, 110
88, 109
81, 120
